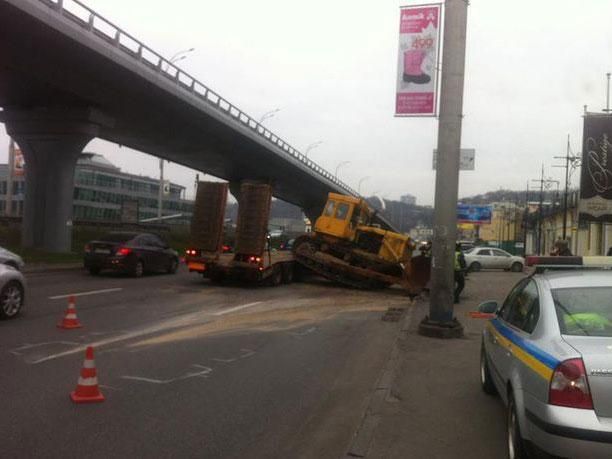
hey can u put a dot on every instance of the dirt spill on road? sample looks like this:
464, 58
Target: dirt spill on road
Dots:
280, 315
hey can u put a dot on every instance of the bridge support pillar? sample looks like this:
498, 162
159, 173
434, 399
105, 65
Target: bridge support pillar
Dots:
312, 215
51, 141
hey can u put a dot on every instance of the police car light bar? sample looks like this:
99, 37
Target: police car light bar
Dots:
550, 262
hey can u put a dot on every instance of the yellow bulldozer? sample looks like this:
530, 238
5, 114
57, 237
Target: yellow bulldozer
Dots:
347, 247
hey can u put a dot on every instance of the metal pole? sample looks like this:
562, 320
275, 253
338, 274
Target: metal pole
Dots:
540, 209
608, 94
160, 196
441, 321
567, 158
8, 210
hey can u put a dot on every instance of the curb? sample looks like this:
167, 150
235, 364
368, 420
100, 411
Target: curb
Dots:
51, 268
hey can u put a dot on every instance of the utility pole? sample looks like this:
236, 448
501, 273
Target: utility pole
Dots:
160, 196
441, 321
8, 210
607, 109
543, 183
570, 161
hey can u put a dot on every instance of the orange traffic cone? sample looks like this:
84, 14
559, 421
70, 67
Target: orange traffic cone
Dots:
70, 319
87, 390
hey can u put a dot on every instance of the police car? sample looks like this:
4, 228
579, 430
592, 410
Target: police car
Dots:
547, 352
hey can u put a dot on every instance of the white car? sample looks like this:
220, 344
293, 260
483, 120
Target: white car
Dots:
11, 259
12, 292
491, 258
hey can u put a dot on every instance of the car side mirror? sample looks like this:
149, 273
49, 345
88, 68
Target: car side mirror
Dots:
488, 307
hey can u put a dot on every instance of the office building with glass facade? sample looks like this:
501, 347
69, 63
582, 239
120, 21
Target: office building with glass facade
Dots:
100, 190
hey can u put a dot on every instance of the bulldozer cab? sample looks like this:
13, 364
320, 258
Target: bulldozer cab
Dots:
342, 215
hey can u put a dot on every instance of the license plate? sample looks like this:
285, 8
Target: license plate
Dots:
105, 251
196, 266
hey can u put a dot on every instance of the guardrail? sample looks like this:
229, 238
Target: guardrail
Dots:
105, 30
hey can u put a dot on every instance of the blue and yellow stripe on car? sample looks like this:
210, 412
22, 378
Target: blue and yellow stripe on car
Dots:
535, 358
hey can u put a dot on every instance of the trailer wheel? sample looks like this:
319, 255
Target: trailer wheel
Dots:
287, 269
277, 276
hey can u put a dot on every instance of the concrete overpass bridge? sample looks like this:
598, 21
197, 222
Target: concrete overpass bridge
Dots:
68, 75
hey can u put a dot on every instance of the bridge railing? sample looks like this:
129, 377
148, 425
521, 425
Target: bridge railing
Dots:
105, 30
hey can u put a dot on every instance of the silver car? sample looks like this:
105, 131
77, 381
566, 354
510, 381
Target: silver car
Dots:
12, 292
12, 259
547, 352
492, 258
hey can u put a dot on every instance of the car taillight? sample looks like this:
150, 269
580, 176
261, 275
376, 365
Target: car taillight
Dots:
123, 251
569, 386
87, 248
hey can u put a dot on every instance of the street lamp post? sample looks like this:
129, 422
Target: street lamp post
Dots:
267, 115
340, 164
363, 179
312, 146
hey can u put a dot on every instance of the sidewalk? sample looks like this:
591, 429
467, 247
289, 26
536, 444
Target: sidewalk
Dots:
433, 406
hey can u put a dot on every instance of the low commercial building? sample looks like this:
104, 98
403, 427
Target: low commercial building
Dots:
585, 239
102, 191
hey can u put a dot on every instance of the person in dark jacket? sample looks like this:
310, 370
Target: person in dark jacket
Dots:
460, 266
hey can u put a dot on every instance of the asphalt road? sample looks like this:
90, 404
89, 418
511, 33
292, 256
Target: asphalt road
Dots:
190, 369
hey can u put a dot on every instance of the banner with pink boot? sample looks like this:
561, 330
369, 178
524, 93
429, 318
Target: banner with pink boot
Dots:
419, 50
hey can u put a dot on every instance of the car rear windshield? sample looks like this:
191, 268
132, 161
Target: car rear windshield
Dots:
585, 311
118, 237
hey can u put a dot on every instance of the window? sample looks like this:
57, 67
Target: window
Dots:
523, 308
518, 288
342, 211
486, 252
500, 253
329, 208
585, 311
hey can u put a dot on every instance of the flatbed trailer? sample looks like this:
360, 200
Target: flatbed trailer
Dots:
272, 268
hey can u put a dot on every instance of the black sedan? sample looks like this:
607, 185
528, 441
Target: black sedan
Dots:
132, 253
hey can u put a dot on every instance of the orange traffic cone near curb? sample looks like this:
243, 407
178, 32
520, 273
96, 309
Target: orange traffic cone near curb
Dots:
70, 319
87, 390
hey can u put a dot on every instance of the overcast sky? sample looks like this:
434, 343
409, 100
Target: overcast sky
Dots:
330, 67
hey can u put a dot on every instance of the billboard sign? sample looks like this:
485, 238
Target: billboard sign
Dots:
419, 50
466, 161
596, 175
478, 215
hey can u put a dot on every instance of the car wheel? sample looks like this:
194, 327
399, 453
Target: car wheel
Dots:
11, 299
94, 271
475, 266
516, 267
485, 376
173, 266
138, 270
516, 444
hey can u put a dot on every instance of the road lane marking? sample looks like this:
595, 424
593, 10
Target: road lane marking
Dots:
174, 323
237, 308
91, 292
124, 337
303, 333
203, 372
246, 353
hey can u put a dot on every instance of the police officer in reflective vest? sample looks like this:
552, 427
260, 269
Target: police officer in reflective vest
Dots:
460, 266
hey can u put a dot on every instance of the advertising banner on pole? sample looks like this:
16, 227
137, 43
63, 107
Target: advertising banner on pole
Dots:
419, 50
477, 215
596, 175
